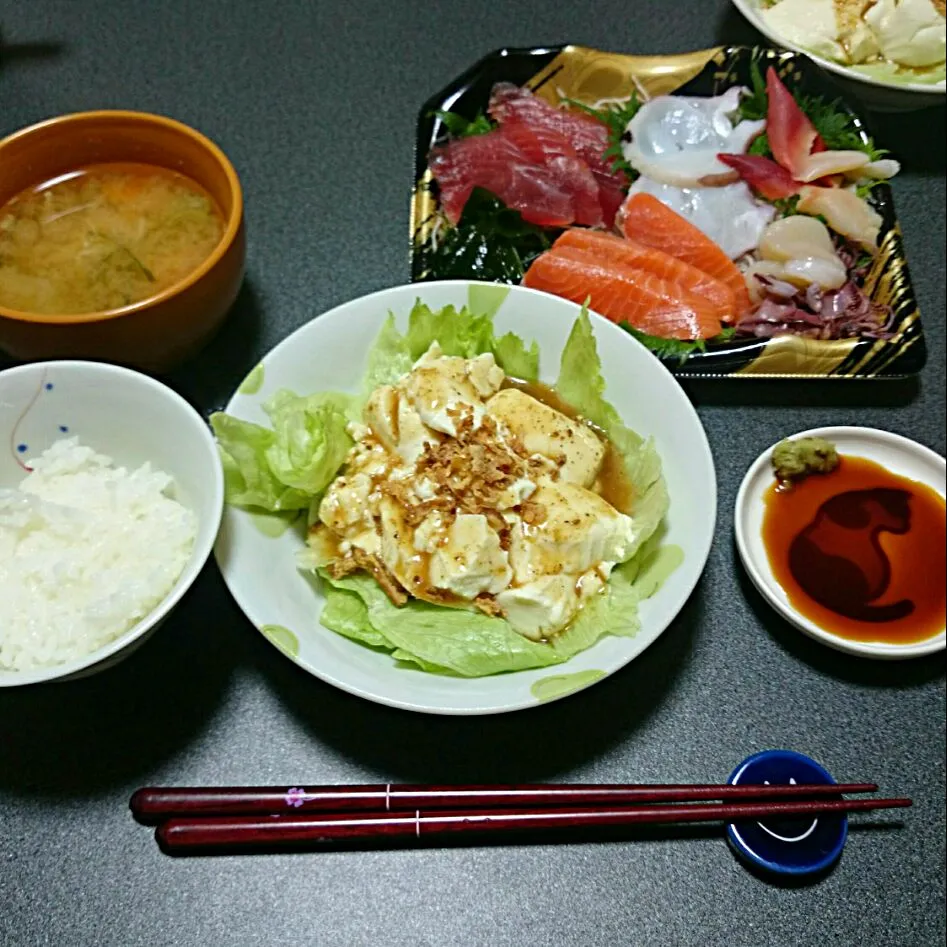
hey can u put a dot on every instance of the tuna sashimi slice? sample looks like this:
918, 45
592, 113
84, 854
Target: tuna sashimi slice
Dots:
646, 219
589, 136
623, 294
611, 249
552, 150
496, 163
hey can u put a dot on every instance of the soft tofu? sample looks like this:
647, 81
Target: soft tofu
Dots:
543, 430
440, 387
579, 531
910, 32
485, 375
811, 24
541, 607
397, 547
396, 424
345, 507
470, 561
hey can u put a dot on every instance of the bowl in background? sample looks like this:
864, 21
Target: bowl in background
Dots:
883, 95
133, 419
156, 333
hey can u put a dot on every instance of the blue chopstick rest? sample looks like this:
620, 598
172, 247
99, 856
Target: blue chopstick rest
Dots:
797, 846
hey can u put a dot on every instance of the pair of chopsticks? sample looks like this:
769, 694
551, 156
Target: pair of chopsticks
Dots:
252, 817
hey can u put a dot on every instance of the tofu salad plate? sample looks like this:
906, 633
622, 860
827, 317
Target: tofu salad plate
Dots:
462, 498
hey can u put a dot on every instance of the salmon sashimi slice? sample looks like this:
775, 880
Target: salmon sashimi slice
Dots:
623, 294
646, 219
611, 249
497, 164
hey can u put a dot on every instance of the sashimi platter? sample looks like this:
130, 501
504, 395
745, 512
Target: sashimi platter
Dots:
724, 207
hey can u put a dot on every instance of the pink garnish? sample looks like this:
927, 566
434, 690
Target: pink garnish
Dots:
763, 175
792, 137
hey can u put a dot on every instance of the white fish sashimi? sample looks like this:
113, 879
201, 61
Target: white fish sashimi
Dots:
730, 215
675, 139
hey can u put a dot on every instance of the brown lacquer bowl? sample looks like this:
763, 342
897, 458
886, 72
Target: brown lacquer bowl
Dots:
160, 331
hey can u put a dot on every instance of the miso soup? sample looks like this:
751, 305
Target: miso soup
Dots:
103, 237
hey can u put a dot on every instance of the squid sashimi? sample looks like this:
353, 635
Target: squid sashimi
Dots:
611, 249
587, 135
495, 162
550, 149
729, 214
646, 219
623, 294
675, 139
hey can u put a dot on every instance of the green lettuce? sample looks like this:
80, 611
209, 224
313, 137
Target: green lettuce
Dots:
289, 466
582, 386
283, 468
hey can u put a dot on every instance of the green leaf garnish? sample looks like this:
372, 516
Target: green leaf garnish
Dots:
616, 116
679, 349
754, 105
459, 127
490, 242
760, 146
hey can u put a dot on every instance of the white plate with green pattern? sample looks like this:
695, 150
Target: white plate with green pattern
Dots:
257, 553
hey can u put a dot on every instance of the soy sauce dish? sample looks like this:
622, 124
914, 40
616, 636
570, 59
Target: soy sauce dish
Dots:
853, 556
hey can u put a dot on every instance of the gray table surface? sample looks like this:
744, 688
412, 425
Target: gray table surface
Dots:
316, 105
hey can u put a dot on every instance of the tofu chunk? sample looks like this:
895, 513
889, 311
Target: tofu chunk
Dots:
543, 430
471, 560
543, 606
579, 530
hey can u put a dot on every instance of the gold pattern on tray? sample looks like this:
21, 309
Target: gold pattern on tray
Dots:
793, 355
590, 76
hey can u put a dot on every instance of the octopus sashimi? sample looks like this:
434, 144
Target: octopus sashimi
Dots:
675, 139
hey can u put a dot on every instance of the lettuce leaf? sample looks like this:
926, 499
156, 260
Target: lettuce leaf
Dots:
582, 386
284, 468
467, 643
248, 479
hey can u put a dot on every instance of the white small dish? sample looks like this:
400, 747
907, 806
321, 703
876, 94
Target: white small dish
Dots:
132, 419
328, 354
899, 455
884, 95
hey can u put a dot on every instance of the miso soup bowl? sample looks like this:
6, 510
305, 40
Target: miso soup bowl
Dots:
163, 330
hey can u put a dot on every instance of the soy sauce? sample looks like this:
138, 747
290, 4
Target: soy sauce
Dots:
861, 552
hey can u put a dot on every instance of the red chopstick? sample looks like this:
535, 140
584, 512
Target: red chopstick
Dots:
243, 833
153, 804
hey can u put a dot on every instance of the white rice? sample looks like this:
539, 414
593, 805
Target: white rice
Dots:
87, 549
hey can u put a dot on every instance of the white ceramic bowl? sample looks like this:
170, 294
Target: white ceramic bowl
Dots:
897, 454
131, 418
881, 94
329, 354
